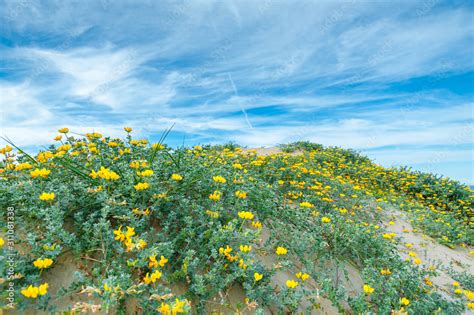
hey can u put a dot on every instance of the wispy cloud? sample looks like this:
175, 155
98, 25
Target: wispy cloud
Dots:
391, 79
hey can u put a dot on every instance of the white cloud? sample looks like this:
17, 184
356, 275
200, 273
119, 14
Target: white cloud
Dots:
329, 69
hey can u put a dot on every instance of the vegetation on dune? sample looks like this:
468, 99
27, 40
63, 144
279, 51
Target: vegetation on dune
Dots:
171, 231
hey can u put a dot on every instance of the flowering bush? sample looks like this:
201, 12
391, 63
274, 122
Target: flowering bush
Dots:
161, 230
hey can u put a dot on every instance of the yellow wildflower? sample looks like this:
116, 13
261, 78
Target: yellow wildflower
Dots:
291, 284
245, 215
368, 289
104, 173
257, 276
40, 173
237, 166
43, 263
306, 204
6, 149
219, 179
119, 236
178, 307
30, 292
245, 248
240, 194
142, 186
153, 262
164, 309
281, 250
146, 173
325, 220
47, 196
302, 275
176, 177
216, 195
141, 244
153, 277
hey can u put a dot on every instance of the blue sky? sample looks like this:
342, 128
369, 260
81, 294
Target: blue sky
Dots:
394, 80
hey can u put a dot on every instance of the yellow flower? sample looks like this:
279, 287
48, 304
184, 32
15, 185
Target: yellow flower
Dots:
40, 173
2, 242
385, 272
23, 166
176, 177
6, 149
417, 261
157, 146
33, 292
412, 254
404, 301
225, 251
43, 263
57, 138
245, 215
130, 232
281, 250
240, 194
409, 245
63, 130
43, 289
128, 129
303, 276
368, 289
257, 224
113, 144
325, 220
141, 244
216, 195
153, 262
469, 294
212, 214
104, 173
30, 292
107, 288
306, 204
257, 276
455, 284
141, 186
163, 261
219, 179
153, 277
237, 166
245, 248
458, 291
164, 309
389, 235
470, 305
291, 284
47, 196
146, 173
119, 236
178, 306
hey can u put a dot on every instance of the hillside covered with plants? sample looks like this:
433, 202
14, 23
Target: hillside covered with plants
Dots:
130, 227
